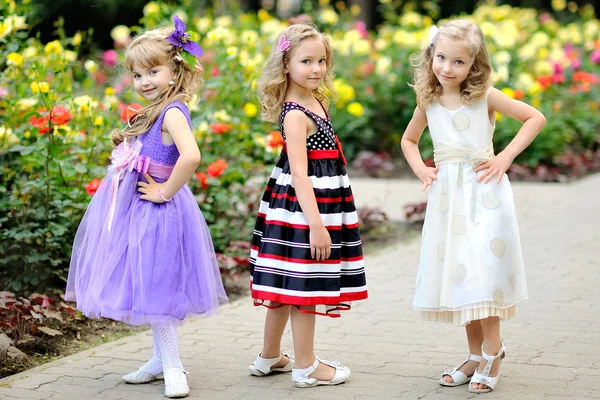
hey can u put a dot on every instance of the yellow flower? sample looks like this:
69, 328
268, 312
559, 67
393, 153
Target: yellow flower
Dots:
151, 8
323, 3
249, 37
509, 92
232, 51
361, 47
535, 88
119, 33
37, 87
355, 10
251, 110
502, 57
203, 24
70, 55
77, 39
26, 103
98, 121
536, 102
411, 19
355, 109
84, 103
543, 53
224, 21
53, 47
14, 59
263, 15
345, 91
29, 52
109, 91
91, 66
543, 67
222, 116
254, 84
559, 5
329, 16
383, 66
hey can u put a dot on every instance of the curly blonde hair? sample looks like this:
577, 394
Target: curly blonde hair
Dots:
273, 82
149, 50
426, 85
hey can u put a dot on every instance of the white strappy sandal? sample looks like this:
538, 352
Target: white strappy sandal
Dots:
484, 377
176, 383
263, 366
302, 380
458, 377
140, 376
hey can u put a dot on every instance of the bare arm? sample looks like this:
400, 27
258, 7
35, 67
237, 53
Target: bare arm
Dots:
533, 122
296, 126
410, 148
189, 158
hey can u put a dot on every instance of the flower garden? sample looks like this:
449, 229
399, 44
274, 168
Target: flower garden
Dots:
58, 107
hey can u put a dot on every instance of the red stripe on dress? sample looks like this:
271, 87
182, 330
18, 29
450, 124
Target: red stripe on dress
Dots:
319, 199
295, 260
308, 301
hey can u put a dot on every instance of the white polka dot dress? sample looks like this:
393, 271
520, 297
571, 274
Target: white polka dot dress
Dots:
471, 263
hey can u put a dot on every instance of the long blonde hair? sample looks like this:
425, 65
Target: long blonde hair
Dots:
426, 85
151, 50
273, 82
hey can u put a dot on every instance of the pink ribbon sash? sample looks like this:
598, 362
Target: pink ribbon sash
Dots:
126, 157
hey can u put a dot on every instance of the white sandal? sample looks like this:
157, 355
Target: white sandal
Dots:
139, 376
176, 383
263, 366
484, 377
458, 377
302, 380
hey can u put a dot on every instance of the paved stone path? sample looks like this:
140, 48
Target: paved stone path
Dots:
553, 345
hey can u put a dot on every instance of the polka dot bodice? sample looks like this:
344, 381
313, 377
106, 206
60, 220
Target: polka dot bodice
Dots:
152, 144
323, 139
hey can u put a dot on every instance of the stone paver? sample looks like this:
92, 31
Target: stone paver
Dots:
553, 350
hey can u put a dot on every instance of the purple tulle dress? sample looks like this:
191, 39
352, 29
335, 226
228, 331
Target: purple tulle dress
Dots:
141, 262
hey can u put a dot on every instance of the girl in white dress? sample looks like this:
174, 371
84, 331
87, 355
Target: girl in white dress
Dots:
471, 270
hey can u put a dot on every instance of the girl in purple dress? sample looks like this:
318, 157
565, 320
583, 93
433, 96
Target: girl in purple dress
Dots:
143, 253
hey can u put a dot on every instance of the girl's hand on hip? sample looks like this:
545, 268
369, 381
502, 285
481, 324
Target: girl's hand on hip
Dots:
497, 166
150, 190
427, 175
320, 243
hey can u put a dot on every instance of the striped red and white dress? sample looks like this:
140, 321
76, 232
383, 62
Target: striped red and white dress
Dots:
281, 268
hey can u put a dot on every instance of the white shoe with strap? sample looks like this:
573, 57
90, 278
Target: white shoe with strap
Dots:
140, 376
458, 377
264, 366
302, 380
484, 377
176, 383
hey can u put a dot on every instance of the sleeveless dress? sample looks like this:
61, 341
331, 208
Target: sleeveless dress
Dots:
137, 261
471, 264
281, 267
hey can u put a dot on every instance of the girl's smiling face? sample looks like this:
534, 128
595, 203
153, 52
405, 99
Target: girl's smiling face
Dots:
307, 65
150, 83
451, 62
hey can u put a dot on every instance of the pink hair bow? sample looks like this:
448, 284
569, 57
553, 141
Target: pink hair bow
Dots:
283, 44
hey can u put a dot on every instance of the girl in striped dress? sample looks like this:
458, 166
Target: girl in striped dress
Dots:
306, 255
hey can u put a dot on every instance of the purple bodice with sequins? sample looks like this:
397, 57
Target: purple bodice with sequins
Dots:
153, 146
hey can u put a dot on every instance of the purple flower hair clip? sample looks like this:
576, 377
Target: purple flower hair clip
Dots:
181, 39
283, 44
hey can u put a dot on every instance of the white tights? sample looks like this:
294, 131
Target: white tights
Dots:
166, 349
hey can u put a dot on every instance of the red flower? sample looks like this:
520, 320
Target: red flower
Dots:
585, 77
220, 127
545, 81
41, 122
217, 168
519, 94
128, 111
275, 139
203, 179
60, 115
92, 186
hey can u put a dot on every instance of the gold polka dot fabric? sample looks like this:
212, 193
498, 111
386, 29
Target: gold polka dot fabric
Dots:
471, 264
